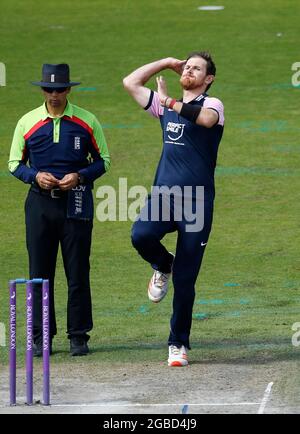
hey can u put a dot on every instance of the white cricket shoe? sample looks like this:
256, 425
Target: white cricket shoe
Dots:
158, 286
177, 356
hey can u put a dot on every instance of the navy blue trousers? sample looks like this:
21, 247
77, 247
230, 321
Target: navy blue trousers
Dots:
146, 238
46, 228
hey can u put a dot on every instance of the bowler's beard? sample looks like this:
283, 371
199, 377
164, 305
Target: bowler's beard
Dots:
187, 83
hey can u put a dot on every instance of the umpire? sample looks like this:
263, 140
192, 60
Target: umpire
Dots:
66, 151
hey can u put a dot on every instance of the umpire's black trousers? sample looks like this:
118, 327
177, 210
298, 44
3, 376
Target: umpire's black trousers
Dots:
46, 227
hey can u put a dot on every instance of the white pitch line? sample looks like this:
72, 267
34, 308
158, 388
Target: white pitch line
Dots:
265, 398
210, 404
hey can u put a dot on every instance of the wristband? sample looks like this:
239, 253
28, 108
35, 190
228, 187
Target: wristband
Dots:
190, 112
80, 179
172, 103
165, 101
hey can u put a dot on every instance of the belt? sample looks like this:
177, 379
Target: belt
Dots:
54, 193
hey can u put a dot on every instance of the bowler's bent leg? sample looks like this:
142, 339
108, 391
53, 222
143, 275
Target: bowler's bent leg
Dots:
146, 236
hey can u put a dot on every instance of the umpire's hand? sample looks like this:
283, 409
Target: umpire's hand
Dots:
69, 181
46, 180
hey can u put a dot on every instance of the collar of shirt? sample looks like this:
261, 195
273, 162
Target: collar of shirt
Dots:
67, 112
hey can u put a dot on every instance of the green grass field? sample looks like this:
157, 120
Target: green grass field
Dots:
248, 292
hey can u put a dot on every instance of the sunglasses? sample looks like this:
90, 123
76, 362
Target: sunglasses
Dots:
54, 89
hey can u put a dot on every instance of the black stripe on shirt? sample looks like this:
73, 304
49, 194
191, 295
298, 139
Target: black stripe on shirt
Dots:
150, 100
211, 108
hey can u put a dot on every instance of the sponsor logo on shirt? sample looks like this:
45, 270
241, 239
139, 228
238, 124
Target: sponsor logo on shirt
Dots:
175, 130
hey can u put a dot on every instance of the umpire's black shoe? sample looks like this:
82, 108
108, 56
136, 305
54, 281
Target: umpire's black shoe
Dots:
78, 346
38, 347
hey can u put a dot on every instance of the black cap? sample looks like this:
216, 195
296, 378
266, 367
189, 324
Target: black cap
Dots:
55, 76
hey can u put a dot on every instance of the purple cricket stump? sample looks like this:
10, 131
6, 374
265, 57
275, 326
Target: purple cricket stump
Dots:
29, 343
12, 341
46, 342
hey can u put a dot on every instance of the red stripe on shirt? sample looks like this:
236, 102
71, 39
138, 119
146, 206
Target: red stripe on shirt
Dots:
36, 127
88, 128
24, 153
